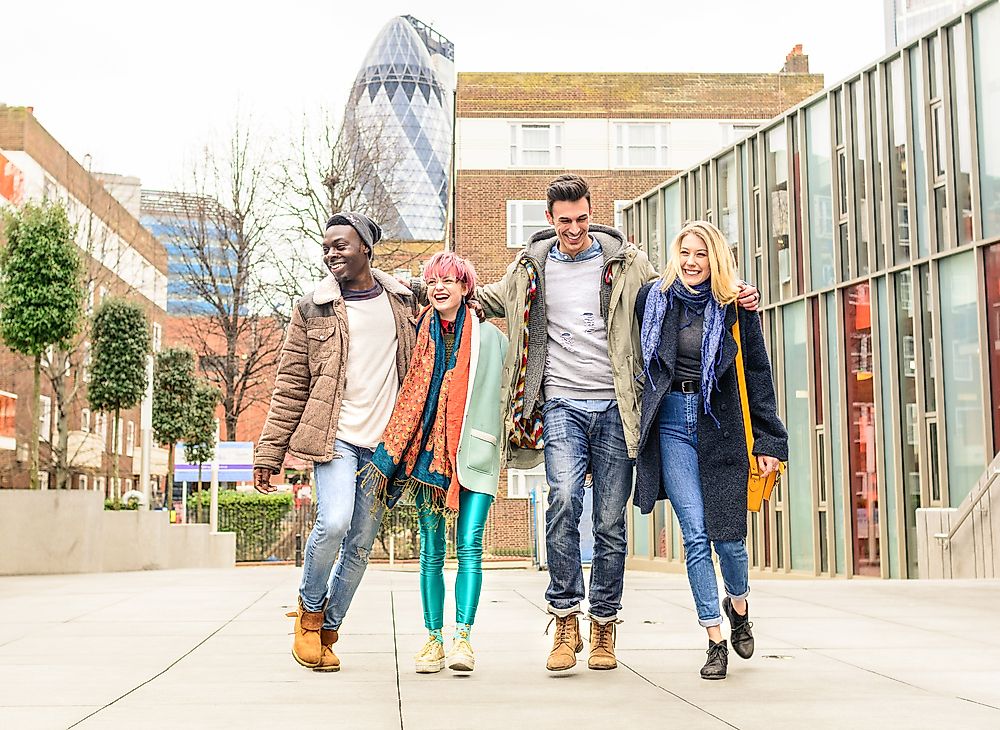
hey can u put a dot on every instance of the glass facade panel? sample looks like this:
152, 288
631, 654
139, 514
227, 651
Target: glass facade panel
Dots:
888, 431
777, 208
906, 349
927, 322
728, 214
861, 429
746, 256
993, 329
653, 249
660, 530
862, 235
640, 534
898, 161
919, 147
986, 59
797, 482
961, 127
818, 173
963, 407
672, 218
836, 426
876, 103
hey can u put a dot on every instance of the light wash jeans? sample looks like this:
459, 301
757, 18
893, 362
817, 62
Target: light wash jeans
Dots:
678, 422
347, 521
577, 442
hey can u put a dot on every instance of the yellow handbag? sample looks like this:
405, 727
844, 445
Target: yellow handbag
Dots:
759, 488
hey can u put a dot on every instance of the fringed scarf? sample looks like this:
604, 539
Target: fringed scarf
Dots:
527, 431
420, 445
699, 302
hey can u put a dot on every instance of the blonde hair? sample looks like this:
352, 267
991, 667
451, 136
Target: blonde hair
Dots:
721, 266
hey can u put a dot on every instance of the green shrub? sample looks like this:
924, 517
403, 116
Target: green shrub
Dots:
257, 519
117, 504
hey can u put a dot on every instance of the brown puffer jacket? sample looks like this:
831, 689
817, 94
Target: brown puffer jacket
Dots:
309, 387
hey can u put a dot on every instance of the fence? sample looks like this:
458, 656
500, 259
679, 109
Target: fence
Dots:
282, 537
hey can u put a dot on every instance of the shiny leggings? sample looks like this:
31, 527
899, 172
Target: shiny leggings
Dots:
473, 509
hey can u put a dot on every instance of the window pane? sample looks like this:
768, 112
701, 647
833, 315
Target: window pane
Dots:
535, 138
659, 530
640, 534
535, 158
798, 479
860, 173
833, 349
876, 104
642, 157
652, 227
642, 135
673, 216
919, 153
986, 52
909, 419
861, 429
927, 323
820, 195
993, 328
963, 407
777, 197
888, 430
728, 209
962, 132
897, 145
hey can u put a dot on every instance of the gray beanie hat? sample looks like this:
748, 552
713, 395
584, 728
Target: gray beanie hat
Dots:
369, 230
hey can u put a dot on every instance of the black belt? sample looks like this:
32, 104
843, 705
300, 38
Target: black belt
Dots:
684, 386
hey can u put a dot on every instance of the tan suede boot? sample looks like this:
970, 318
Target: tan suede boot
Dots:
602, 646
329, 662
566, 643
307, 647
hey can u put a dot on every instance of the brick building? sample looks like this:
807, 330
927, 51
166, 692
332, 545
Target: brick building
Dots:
624, 132
121, 258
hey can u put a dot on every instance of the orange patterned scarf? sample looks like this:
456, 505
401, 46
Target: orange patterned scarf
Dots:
420, 445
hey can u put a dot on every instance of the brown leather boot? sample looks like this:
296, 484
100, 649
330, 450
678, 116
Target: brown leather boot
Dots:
566, 644
306, 645
328, 661
602, 645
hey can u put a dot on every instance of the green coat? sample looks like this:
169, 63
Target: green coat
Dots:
479, 452
630, 269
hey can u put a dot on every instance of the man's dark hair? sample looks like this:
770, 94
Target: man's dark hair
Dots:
567, 187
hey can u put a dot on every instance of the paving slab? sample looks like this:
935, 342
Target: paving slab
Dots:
210, 649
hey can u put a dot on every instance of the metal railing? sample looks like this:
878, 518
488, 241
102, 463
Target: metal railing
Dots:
982, 489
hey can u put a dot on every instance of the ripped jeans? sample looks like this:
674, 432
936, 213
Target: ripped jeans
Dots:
346, 522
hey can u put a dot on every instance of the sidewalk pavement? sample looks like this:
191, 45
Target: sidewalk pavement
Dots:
210, 649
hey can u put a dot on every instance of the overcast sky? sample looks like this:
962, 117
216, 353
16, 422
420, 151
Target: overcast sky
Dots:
142, 87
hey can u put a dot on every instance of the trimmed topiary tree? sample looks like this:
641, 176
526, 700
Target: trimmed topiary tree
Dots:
41, 291
173, 395
199, 444
120, 342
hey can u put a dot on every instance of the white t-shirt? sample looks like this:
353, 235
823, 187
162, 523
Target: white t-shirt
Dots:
372, 379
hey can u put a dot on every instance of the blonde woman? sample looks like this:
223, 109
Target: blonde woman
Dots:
692, 449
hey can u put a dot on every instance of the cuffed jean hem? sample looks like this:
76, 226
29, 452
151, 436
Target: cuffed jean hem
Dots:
564, 612
602, 620
709, 622
740, 597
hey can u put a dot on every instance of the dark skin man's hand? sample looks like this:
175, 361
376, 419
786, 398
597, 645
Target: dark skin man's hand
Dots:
476, 307
749, 297
262, 480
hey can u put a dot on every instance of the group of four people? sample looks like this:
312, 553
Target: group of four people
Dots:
607, 369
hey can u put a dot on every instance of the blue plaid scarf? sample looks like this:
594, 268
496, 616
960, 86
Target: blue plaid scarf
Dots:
699, 302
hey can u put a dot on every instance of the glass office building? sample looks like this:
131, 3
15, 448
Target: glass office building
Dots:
401, 110
869, 216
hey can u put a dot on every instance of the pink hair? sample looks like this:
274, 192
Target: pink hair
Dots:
448, 263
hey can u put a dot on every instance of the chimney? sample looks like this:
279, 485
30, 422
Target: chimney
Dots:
796, 62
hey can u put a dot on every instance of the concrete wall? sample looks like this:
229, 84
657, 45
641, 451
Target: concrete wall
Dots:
70, 532
974, 551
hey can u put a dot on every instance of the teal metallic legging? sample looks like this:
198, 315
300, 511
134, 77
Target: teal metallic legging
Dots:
473, 509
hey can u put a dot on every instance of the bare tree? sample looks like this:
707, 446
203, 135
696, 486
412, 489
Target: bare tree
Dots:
351, 166
223, 232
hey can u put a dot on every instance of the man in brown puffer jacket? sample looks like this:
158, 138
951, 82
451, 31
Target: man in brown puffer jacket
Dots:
345, 354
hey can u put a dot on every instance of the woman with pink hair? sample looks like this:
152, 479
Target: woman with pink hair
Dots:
442, 449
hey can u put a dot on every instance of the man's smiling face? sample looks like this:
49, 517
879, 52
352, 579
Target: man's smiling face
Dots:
344, 253
571, 219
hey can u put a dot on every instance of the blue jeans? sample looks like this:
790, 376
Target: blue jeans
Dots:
347, 520
678, 422
578, 442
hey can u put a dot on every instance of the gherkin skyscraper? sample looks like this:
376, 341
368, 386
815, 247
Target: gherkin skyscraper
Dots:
404, 95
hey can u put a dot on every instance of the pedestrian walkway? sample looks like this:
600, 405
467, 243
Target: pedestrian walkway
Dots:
210, 649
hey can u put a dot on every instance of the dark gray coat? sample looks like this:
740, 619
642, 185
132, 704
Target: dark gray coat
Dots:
722, 457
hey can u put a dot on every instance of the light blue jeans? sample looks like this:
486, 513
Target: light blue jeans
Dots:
576, 442
347, 521
678, 423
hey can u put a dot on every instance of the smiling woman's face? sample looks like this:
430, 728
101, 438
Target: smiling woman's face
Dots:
344, 253
694, 263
